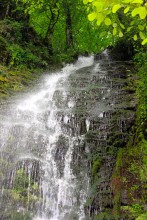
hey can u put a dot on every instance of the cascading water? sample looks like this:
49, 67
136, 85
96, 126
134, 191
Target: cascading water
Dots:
36, 151
58, 144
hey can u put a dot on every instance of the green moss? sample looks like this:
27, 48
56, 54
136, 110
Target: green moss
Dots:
119, 161
25, 189
130, 173
132, 211
103, 216
13, 80
18, 215
96, 166
142, 217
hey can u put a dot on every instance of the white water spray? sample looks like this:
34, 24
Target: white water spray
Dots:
34, 125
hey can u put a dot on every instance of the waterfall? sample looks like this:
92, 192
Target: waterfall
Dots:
37, 145
59, 142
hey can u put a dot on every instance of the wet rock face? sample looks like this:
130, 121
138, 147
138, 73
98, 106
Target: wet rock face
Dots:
104, 112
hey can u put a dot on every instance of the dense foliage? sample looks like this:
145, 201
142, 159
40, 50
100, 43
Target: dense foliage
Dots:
40, 33
58, 28
114, 13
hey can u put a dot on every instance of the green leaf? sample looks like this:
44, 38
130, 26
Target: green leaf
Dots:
88, 9
126, 1
144, 41
85, 1
114, 25
98, 5
114, 31
142, 217
142, 12
129, 28
141, 27
126, 10
100, 18
141, 35
116, 8
92, 16
121, 34
132, 23
107, 21
135, 12
135, 37
122, 26
137, 1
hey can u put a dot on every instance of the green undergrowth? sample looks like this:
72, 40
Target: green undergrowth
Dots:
21, 197
23, 55
24, 187
20, 46
13, 80
105, 215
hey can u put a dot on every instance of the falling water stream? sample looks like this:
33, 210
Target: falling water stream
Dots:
34, 138
50, 137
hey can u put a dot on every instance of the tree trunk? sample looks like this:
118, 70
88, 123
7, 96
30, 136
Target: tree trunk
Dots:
7, 10
48, 42
4, 9
50, 31
69, 37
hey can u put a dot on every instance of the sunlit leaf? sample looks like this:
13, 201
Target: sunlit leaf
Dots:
98, 5
121, 34
114, 31
92, 16
100, 18
85, 1
114, 25
144, 41
126, 10
107, 21
138, 1
126, 1
142, 12
135, 12
141, 35
122, 26
129, 28
116, 8
135, 37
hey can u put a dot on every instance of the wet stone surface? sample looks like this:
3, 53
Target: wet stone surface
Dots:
103, 113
